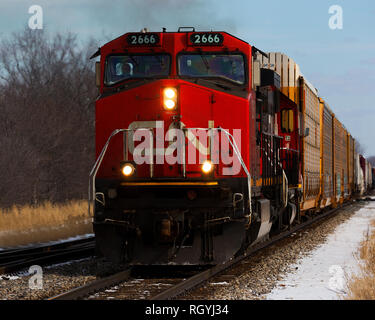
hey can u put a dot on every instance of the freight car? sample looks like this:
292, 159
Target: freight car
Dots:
359, 176
367, 173
369, 176
205, 146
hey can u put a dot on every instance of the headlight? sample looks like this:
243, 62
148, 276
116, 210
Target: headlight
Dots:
170, 93
170, 98
169, 104
207, 166
127, 169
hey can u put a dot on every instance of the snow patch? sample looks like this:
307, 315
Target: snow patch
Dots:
323, 274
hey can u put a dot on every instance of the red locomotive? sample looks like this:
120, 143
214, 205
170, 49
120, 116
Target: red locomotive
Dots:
199, 149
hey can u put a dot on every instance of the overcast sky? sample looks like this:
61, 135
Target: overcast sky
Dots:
340, 63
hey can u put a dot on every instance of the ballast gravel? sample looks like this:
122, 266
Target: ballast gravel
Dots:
53, 280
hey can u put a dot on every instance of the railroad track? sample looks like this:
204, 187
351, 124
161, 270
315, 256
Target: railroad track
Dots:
178, 287
16, 259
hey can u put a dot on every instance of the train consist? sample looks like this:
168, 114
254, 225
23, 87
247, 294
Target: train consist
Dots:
206, 145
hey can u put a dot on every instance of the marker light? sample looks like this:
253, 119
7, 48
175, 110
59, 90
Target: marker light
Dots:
170, 98
127, 169
207, 166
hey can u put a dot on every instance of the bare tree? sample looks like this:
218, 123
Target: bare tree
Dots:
46, 117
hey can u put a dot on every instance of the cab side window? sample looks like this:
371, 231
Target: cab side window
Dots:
287, 121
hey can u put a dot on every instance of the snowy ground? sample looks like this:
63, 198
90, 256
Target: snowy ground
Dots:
322, 275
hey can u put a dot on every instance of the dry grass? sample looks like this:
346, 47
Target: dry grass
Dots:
362, 286
24, 225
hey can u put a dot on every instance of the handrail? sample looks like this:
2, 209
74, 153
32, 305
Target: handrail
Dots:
272, 135
239, 157
293, 150
285, 178
98, 162
285, 189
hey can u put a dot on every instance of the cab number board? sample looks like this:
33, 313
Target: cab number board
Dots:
206, 39
143, 39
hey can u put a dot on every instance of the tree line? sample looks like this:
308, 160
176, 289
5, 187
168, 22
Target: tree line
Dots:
47, 117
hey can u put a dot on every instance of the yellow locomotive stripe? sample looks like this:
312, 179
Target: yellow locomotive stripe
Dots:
212, 183
258, 183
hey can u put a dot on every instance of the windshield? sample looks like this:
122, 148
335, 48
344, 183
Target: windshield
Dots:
230, 67
119, 68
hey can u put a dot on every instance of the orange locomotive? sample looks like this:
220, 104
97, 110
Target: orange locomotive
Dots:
202, 148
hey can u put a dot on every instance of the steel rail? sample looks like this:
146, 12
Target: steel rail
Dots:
12, 261
45, 247
94, 286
